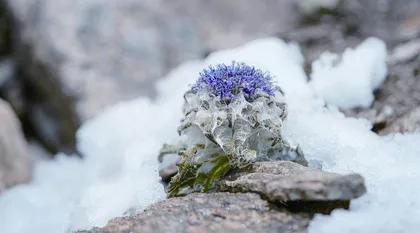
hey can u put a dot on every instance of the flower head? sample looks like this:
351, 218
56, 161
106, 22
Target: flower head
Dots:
227, 81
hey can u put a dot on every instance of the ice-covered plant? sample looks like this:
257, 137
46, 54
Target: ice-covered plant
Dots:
233, 115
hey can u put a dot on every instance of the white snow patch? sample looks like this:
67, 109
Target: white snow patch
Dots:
120, 145
118, 173
388, 164
350, 82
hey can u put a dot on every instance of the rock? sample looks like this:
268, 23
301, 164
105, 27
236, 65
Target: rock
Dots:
14, 161
168, 163
405, 52
313, 6
408, 123
379, 18
6, 71
81, 56
11, 88
285, 181
410, 27
312, 33
5, 32
214, 212
167, 173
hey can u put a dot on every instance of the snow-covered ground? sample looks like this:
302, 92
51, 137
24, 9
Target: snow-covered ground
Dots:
120, 145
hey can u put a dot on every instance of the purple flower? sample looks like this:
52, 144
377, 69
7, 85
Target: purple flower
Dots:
227, 81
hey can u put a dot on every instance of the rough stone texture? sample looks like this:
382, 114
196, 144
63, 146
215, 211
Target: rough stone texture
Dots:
287, 181
78, 57
168, 172
409, 122
14, 162
168, 166
215, 212
385, 19
405, 52
11, 88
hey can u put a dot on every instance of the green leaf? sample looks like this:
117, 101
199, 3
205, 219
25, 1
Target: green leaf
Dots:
199, 171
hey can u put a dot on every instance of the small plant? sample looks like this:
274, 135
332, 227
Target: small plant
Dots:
233, 116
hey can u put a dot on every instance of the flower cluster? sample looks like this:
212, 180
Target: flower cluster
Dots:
227, 81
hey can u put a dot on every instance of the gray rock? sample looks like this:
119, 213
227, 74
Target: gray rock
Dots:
11, 89
14, 162
6, 71
287, 181
168, 172
80, 56
410, 27
379, 18
405, 52
409, 122
5, 32
214, 212
168, 160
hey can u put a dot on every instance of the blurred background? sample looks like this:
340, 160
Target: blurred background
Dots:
63, 61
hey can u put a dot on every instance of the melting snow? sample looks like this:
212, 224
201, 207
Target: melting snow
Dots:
119, 172
349, 83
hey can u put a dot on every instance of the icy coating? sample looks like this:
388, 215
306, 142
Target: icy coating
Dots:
233, 116
235, 127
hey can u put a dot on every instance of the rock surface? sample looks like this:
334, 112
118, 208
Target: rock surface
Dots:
11, 88
14, 162
291, 193
168, 172
5, 32
288, 181
405, 52
409, 122
214, 212
80, 56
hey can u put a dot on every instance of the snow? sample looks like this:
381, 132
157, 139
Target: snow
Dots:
351, 82
121, 144
119, 173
